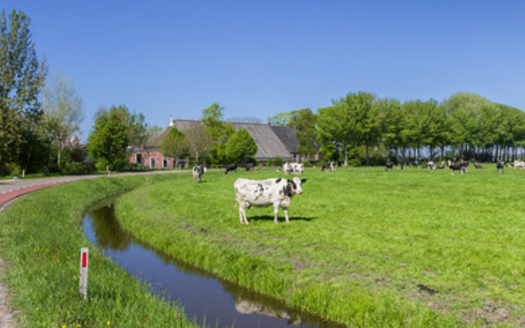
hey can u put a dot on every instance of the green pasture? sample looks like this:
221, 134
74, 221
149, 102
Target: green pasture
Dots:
359, 242
40, 241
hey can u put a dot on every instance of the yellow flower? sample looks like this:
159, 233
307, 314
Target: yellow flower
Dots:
79, 325
109, 323
64, 326
355, 282
370, 279
379, 284
58, 261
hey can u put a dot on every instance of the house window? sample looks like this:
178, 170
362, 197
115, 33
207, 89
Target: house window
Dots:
165, 162
152, 162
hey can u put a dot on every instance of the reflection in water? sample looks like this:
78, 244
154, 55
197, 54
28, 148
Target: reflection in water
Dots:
204, 296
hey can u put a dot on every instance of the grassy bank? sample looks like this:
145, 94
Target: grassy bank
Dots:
365, 247
40, 239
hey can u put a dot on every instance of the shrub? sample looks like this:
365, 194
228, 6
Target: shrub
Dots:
278, 162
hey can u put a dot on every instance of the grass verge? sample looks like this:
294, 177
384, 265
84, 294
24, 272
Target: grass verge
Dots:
413, 248
40, 239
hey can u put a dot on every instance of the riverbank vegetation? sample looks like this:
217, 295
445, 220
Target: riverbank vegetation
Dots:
40, 241
412, 248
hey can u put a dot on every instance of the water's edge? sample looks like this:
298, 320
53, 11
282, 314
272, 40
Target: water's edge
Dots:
204, 296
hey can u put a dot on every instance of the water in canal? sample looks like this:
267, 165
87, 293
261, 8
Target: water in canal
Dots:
204, 296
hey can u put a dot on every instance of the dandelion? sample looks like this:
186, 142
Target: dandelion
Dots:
355, 282
79, 325
58, 260
64, 326
109, 323
370, 279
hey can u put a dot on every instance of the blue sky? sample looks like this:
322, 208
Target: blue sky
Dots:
259, 58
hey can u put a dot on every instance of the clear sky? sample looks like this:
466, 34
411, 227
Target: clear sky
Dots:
258, 58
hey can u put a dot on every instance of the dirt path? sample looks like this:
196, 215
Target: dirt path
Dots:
10, 190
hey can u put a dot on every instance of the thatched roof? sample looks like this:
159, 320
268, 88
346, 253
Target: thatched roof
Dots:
287, 136
269, 143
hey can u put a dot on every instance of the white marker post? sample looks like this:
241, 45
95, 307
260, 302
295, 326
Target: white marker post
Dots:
83, 272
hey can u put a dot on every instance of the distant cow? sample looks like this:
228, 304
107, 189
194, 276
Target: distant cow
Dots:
230, 168
198, 171
389, 166
461, 166
249, 167
519, 164
478, 166
263, 193
500, 165
328, 166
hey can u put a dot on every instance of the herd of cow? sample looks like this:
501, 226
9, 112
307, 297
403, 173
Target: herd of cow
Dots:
280, 191
461, 166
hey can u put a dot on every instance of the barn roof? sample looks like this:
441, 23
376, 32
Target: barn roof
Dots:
287, 136
270, 144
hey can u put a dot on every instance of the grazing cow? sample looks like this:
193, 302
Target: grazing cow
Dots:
389, 166
198, 171
500, 165
230, 168
249, 167
461, 166
400, 165
292, 168
263, 193
476, 165
328, 165
441, 167
519, 164
297, 168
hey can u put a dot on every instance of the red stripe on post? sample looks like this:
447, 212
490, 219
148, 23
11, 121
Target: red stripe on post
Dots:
84, 260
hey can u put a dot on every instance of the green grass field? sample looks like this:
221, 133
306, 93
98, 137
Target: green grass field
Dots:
40, 240
359, 242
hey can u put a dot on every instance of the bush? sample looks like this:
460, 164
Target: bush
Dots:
308, 164
278, 162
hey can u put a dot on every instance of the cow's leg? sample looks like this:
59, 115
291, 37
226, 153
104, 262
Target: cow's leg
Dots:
242, 215
275, 212
285, 209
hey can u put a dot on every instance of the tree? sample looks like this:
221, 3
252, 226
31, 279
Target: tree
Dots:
174, 145
240, 146
22, 77
64, 111
199, 141
108, 141
305, 132
219, 132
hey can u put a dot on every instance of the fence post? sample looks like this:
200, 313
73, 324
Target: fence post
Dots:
84, 257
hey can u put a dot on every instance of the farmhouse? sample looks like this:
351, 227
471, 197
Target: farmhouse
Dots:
272, 142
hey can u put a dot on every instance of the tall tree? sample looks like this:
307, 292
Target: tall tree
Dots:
240, 146
108, 141
64, 110
175, 145
305, 132
199, 141
219, 132
22, 77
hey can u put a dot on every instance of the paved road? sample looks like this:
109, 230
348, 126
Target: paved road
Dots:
10, 190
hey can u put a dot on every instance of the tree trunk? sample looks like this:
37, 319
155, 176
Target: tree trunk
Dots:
367, 157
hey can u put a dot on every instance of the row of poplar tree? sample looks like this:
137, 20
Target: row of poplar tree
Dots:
361, 126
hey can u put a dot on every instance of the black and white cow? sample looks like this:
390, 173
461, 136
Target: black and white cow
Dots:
264, 193
230, 168
249, 167
500, 165
328, 166
460, 166
198, 171
389, 166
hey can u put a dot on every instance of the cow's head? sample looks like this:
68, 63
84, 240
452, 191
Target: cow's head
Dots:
295, 185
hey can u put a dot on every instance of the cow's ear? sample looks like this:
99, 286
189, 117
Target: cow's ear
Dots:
303, 180
289, 181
